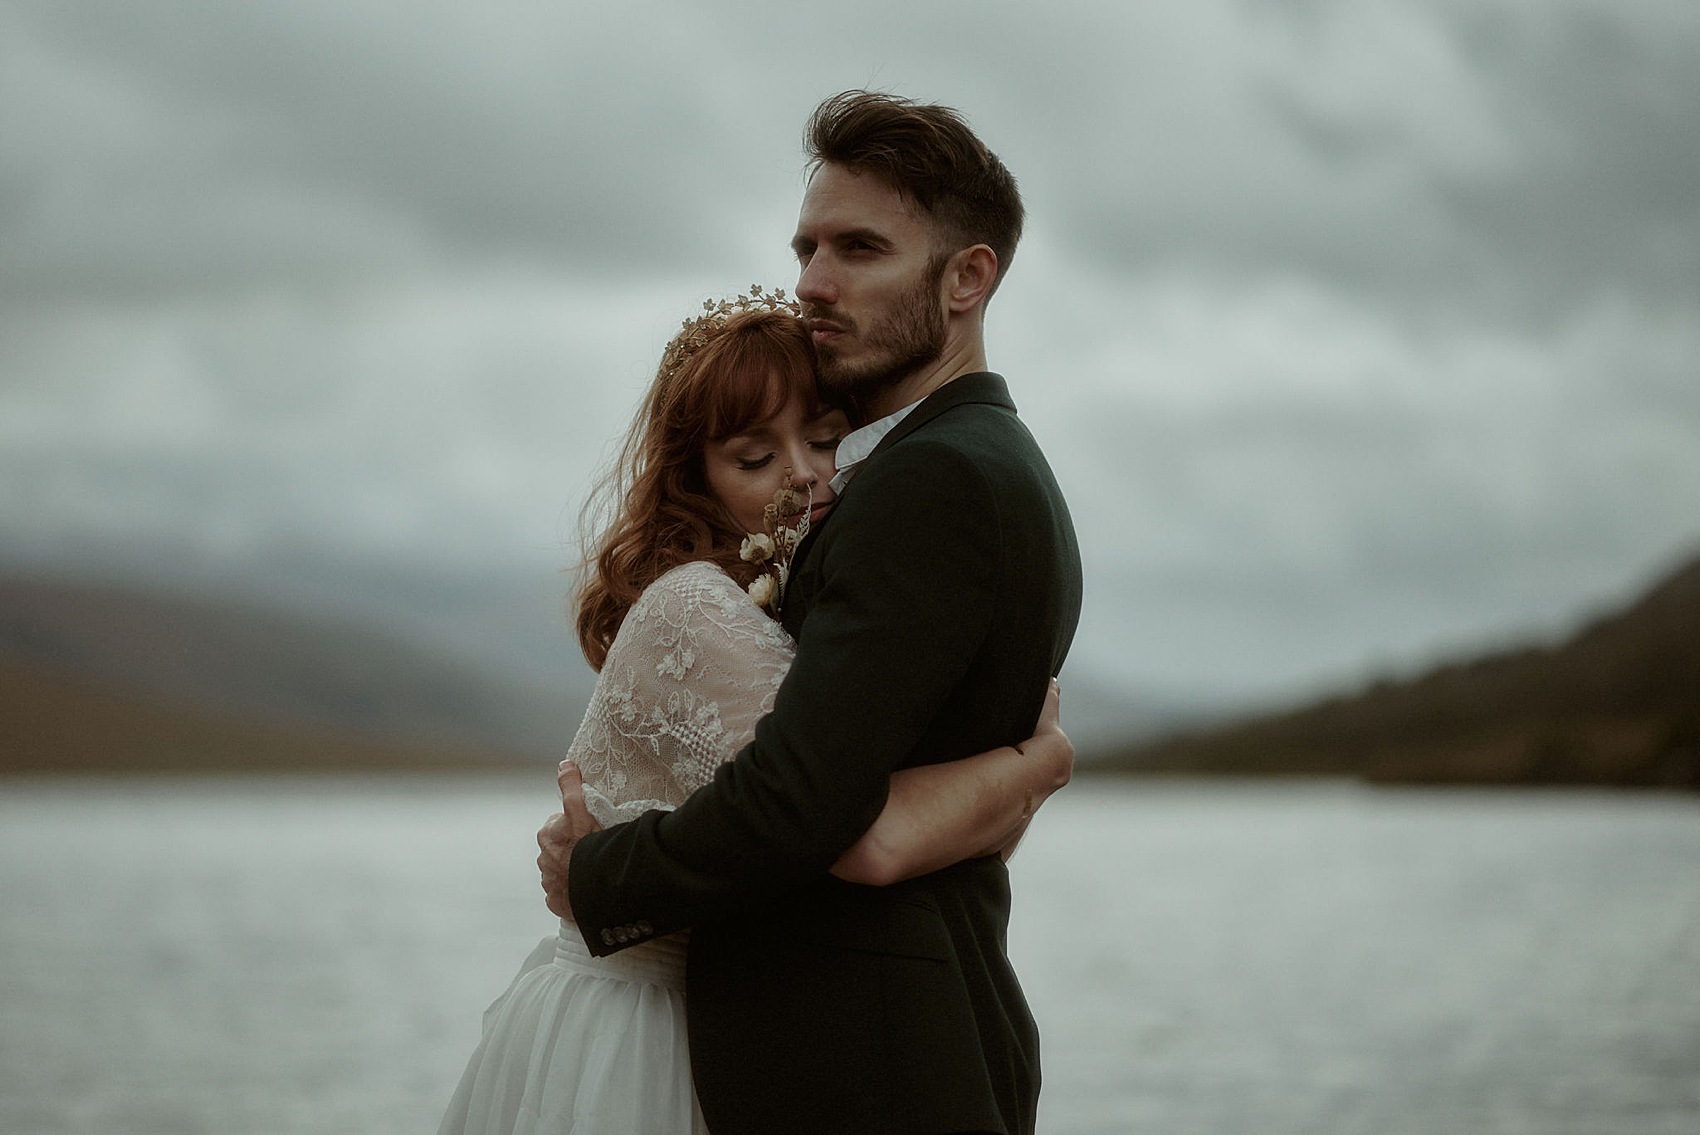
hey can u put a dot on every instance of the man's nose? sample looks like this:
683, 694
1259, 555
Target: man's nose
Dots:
814, 282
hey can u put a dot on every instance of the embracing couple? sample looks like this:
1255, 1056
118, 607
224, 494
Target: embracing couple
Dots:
826, 608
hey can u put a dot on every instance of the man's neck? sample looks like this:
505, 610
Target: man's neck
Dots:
958, 359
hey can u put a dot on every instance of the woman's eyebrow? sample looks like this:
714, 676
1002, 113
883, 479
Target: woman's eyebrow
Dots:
757, 433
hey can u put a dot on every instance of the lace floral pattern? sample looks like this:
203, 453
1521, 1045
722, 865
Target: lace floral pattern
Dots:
695, 665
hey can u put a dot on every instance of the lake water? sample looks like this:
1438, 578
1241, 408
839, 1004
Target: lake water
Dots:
288, 956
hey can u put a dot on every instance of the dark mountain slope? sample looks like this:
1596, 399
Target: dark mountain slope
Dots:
76, 661
1618, 703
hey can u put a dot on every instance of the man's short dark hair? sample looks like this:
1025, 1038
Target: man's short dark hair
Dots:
927, 153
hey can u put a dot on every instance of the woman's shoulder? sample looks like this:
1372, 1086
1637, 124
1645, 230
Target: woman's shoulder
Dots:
695, 600
698, 584
694, 578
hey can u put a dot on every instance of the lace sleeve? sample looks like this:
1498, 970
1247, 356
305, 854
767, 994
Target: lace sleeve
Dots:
695, 665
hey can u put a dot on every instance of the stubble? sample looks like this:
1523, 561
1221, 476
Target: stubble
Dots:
909, 337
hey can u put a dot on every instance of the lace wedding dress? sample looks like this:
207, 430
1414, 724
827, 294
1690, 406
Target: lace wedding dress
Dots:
597, 1045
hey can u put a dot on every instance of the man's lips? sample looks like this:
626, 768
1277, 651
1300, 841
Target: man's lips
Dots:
823, 329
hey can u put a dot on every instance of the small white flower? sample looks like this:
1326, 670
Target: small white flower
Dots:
675, 664
762, 590
758, 547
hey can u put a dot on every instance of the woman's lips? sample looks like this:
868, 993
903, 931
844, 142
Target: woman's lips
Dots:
816, 511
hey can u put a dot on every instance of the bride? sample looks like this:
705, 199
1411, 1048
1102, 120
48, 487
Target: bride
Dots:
723, 472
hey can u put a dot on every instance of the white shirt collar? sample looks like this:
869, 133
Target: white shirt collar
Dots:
857, 444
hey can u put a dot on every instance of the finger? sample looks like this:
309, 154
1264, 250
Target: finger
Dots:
1050, 714
579, 820
570, 780
551, 832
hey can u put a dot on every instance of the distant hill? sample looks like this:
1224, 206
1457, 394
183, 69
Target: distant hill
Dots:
111, 677
55, 726
1618, 703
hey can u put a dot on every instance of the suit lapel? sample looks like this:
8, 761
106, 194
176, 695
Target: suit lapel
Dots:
982, 386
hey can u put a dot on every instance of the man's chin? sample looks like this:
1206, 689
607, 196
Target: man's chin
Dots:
839, 377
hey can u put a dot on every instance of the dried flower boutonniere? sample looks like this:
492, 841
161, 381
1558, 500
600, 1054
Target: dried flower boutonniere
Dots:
786, 521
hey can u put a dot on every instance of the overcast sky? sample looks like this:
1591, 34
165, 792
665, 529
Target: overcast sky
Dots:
1359, 333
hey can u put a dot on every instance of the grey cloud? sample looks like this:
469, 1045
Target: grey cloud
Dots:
294, 141
1411, 485
1439, 154
1604, 101
1352, 330
1509, 159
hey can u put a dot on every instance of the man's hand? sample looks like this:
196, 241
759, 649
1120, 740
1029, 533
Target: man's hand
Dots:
558, 836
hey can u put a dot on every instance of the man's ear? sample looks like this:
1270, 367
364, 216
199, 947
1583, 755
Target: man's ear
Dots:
969, 276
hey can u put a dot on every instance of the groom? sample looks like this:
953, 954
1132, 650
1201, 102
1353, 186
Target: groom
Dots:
929, 610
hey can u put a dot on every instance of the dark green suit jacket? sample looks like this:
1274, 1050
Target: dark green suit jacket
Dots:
929, 609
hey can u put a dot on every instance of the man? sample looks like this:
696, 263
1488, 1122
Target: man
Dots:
929, 609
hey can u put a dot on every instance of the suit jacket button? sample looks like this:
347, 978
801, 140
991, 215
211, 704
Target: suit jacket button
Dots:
607, 937
645, 927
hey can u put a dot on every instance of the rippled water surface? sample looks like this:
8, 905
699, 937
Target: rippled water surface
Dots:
313, 955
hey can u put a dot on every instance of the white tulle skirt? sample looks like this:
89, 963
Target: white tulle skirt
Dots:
583, 1044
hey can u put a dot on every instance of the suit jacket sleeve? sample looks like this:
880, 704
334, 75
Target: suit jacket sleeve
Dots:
909, 568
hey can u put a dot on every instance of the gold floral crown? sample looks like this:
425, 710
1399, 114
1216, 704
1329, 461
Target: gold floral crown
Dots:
695, 333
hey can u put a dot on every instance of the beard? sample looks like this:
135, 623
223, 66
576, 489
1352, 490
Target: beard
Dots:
895, 345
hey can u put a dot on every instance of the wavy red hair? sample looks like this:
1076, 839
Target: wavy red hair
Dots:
653, 510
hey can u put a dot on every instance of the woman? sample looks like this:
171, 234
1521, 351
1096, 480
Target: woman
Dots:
688, 663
